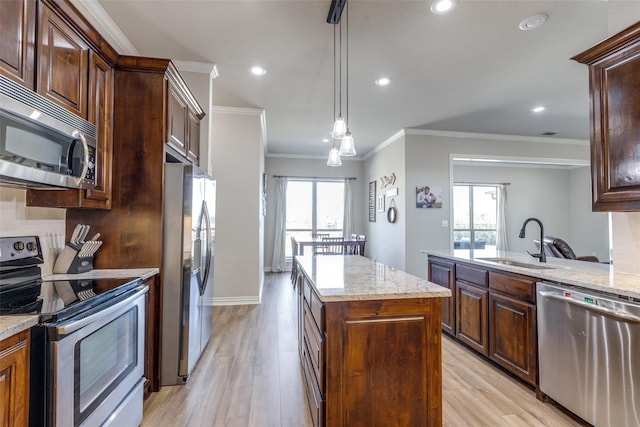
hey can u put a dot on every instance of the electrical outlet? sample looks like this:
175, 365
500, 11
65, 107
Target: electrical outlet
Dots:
445, 223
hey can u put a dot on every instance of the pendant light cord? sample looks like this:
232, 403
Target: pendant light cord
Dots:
334, 72
340, 69
347, 76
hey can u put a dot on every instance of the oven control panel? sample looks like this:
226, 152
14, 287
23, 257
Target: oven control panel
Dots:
20, 250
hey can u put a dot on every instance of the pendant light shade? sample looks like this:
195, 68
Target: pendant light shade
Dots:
339, 128
334, 158
347, 145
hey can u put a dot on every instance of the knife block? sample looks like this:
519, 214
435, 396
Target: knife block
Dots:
69, 262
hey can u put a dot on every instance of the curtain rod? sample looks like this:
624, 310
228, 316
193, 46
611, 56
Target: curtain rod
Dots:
481, 183
312, 177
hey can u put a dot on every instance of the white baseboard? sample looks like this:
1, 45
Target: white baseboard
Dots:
268, 269
248, 300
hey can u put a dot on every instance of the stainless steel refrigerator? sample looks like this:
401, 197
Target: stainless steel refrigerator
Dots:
187, 273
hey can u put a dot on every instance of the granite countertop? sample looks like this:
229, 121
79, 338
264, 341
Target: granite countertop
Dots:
11, 325
589, 275
356, 278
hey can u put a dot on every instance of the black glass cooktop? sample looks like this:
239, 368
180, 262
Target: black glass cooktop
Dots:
61, 299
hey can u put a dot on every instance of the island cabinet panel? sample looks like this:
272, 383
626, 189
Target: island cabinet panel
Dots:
17, 44
442, 272
472, 316
63, 66
513, 336
614, 86
14, 380
384, 363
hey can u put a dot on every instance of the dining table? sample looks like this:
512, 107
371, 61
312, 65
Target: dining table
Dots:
348, 243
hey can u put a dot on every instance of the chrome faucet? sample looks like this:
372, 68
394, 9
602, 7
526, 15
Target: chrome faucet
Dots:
541, 256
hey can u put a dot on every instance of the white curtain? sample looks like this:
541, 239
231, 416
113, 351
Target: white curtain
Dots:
280, 227
347, 220
502, 241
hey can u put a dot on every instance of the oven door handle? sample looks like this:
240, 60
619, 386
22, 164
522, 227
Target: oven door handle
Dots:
70, 327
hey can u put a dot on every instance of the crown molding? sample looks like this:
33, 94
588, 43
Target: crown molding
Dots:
385, 143
100, 19
495, 136
311, 157
241, 111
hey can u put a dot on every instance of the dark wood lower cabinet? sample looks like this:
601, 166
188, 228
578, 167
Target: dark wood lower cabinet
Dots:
494, 312
472, 316
442, 272
513, 336
14, 380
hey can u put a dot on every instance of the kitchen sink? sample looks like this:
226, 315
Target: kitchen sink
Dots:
507, 261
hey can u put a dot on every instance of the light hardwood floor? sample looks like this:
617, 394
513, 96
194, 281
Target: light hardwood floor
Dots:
250, 375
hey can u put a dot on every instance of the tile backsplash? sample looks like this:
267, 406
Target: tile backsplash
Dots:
17, 219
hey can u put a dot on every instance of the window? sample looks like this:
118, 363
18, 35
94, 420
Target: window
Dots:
314, 207
475, 216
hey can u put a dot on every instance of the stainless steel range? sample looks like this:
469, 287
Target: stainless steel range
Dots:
87, 352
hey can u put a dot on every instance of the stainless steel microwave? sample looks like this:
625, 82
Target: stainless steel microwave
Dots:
42, 145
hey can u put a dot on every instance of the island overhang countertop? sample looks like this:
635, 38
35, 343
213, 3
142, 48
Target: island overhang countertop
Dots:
356, 278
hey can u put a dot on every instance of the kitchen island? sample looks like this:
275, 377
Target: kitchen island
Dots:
370, 342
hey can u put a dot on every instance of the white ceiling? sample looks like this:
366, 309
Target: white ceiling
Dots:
472, 70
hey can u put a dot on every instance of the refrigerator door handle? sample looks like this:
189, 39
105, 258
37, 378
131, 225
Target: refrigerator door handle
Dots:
207, 267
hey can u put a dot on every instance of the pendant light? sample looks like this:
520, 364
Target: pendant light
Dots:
334, 157
347, 144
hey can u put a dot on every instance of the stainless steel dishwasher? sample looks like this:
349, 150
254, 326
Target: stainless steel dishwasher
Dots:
589, 354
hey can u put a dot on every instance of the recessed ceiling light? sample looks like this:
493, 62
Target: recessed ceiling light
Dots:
532, 22
258, 71
383, 81
538, 109
325, 140
443, 6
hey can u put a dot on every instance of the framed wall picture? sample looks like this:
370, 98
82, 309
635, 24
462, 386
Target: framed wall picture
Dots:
380, 203
372, 201
428, 197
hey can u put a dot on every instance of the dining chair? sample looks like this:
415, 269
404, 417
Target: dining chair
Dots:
319, 248
352, 249
332, 246
360, 248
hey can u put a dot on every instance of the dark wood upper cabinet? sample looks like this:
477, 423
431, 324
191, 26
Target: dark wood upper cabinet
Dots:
177, 121
614, 87
75, 70
183, 123
63, 63
193, 152
100, 113
17, 44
